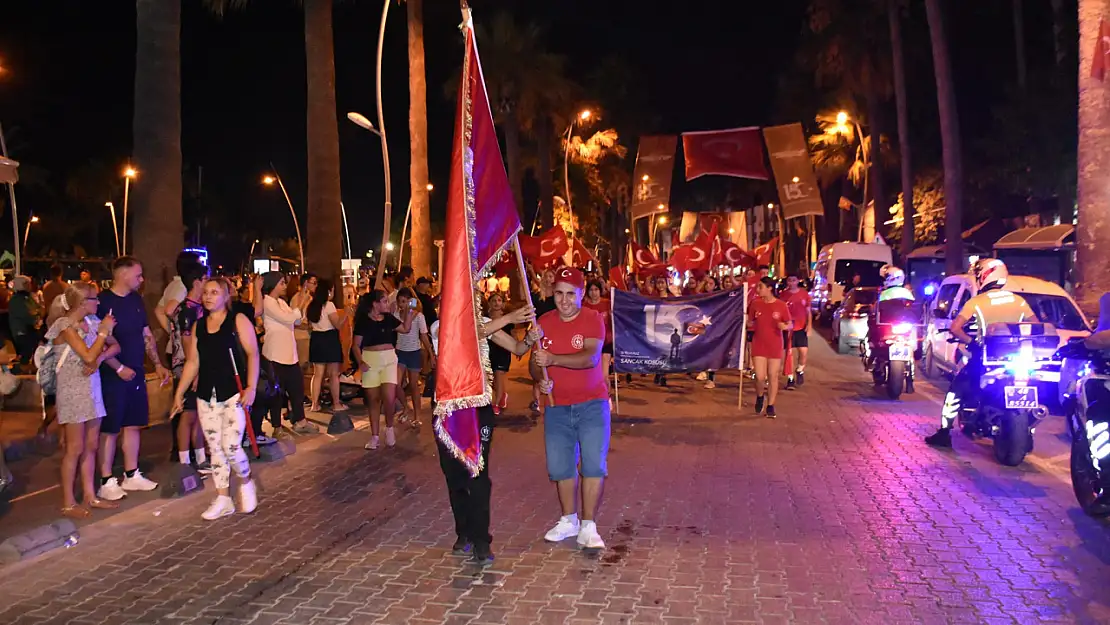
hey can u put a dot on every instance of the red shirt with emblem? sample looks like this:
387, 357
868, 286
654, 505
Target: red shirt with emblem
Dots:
798, 303
574, 386
764, 318
604, 308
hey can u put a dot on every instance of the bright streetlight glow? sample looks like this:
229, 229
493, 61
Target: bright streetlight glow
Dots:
389, 246
585, 115
796, 180
841, 118
663, 220
646, 178
662, 207
130, 172
35, 219
732, 230
361, 120
430, 186
770, 205
267, 180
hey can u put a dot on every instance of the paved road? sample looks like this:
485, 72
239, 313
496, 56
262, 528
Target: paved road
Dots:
834, 513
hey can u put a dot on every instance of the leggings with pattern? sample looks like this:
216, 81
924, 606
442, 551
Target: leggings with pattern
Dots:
223, 423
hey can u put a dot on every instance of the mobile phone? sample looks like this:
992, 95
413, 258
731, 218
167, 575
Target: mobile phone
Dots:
412, 304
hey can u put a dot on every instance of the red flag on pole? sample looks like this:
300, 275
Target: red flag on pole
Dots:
737, 152
616, 278
546, 250
481, 223
734, 256
690, 257
763, 252
707, 242
644, 260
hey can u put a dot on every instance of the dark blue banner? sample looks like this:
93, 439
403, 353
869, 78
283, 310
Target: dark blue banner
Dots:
695, 333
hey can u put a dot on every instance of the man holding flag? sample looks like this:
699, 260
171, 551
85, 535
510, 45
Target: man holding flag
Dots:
578, 424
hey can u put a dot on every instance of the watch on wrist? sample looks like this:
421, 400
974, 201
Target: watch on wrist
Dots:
120, 369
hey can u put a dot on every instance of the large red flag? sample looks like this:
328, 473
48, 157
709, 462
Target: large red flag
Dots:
690, 257
708, 243
546, 250
737, 152
644, 260
582, 257
733, 256
616, 278
763, 252
481, 222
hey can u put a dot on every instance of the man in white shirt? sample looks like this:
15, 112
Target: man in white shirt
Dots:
280, 346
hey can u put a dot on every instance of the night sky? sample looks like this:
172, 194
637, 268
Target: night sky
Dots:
67, 95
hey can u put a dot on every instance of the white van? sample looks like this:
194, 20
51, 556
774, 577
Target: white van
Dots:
1051, 304
838, 265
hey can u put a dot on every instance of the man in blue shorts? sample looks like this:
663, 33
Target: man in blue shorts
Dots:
124, 382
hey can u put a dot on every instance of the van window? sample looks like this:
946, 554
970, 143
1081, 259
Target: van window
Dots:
1057, 310
867, 270
945, 297
964, 296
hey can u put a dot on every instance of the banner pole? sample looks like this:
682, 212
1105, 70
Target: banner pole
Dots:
528, 296
616, 376
743, 345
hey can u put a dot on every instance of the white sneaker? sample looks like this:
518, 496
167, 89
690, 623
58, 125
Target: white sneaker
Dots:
588, 538
372, 445
138, 482
221, 507
248, 497
390, 437
564, 529
111, 491
710, 384
703, 376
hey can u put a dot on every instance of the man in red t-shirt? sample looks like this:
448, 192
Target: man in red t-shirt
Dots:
797, 301
579, 419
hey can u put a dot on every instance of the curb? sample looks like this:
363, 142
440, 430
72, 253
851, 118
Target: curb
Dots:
37, 541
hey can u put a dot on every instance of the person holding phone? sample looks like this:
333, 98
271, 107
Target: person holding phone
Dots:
410, 357
225, 345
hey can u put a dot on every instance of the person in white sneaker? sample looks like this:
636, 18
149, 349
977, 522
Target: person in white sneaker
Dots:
576, 427
376, 330
123, 381
222, 356
279, 346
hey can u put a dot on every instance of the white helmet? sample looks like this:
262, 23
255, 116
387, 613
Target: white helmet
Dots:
989, 272
892, 276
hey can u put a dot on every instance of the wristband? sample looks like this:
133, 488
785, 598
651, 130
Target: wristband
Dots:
120, 368
102, 335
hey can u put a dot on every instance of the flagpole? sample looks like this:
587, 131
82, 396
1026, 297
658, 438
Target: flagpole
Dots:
528, 297
743, 345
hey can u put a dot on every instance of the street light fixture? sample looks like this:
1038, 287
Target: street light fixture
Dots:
361, 121
269, 181
389, 246
27, 231
129, 174
115, 226
405, 227
646, 178
583, 116
430, 187
662, 220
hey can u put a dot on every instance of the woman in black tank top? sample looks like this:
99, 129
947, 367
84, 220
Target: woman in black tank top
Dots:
222, 357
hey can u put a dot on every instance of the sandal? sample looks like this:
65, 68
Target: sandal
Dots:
76, 512
102, 504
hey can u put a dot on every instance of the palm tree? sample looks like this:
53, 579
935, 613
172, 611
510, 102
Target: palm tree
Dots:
418, 142
156, 127
1093, 161
950, 139
894, 16
324, 245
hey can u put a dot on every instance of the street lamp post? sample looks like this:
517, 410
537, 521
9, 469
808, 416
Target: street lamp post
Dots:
27, 232
11, 199
128, 174
583, 116
362, 122
269, 181
405, 229
115, 226
346, 231
841, 127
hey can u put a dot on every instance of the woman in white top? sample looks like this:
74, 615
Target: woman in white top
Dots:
279, 347
409, 354
325, 350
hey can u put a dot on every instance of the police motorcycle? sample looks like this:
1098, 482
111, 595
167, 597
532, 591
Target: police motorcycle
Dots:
892, 346
1085, 397
1003, 402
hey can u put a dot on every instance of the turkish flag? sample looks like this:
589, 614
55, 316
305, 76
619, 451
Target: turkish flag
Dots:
707, 243
644, 261
737, 152
546, 250
708, 221
690, 257
733, 256
582, 256
763, 252
616, 278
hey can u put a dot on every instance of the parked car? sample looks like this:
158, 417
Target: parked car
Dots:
1049, 301
849, 320
838, 266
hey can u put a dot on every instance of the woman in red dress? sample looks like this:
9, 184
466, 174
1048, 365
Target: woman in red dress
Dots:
768, 317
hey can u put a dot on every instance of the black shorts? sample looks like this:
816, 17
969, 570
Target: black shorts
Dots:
325, 348
126, 404
190, 395
801, 339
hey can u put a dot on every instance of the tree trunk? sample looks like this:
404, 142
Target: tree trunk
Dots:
1092, 279
878, 206
418, 143
901, 100
950, 140
324, 240
1019, 42
156, 194
512, 159
1058, 31
543, 173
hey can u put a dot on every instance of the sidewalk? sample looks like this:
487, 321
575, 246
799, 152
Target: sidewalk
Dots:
833, 513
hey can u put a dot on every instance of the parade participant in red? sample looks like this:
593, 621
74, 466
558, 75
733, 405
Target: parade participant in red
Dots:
768, 317
798, 301
576, 428
595, 300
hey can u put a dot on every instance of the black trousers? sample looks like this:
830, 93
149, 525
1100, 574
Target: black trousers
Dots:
291, 383
469, 496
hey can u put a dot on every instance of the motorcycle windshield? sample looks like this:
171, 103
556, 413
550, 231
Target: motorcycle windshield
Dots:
895, 311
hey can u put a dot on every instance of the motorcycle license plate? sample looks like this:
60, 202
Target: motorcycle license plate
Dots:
901, 352
1021, 397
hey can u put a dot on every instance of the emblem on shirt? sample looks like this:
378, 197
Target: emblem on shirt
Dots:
577, 341
545, 343
486, 431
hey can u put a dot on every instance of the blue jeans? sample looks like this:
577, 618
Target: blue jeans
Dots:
574, 429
